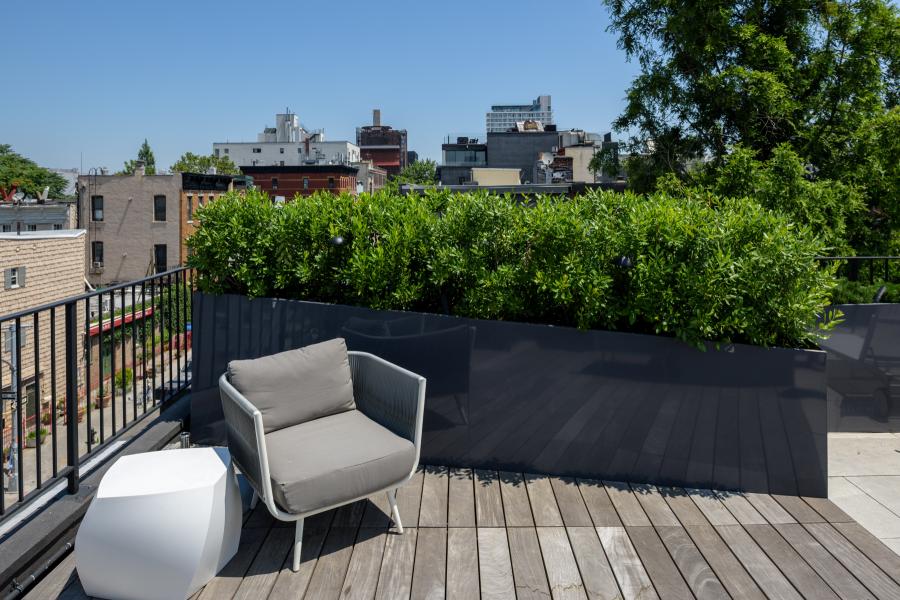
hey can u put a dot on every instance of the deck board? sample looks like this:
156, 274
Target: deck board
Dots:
476, 533
516, 506
488, 503
528, 565
461, 499
562, 570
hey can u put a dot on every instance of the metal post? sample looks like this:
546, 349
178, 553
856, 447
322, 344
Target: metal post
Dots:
72, 394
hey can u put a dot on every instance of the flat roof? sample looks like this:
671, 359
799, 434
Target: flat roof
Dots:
43, 235
275, 169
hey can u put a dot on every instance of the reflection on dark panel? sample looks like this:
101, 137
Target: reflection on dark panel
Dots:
864, 369
536, 398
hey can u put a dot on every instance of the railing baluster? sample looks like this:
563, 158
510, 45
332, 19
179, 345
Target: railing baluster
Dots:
134, 352
89, 343
3, 335
37, 399
124, 365
72, 394
54, 413
112, 361
17, 343
153, 297
172, 325
100, 361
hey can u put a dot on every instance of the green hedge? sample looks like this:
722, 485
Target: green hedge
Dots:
734, 272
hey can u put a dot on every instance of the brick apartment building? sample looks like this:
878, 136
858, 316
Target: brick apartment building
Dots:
197, 190
39, 267
385, 146
304, 180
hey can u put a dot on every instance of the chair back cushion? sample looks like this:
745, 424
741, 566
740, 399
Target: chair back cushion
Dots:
296, 386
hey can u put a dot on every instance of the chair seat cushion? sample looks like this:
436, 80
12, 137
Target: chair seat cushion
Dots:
334, 459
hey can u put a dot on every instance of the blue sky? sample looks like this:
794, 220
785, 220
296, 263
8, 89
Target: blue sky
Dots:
93, 79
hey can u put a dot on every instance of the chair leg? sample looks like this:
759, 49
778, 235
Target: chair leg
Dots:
298, 543
395, 513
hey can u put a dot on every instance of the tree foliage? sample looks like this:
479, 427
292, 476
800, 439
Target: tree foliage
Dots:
421, 172
18, 173
145, 155
198, 163
812, 75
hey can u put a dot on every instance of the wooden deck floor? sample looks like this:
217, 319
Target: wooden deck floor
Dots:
505, 535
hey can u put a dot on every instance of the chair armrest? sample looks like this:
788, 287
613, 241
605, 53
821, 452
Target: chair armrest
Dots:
389, 395
246, 438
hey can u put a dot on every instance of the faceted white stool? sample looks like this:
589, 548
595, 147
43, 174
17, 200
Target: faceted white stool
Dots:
161, 526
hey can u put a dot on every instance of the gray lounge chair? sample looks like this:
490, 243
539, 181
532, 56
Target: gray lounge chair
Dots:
319, 427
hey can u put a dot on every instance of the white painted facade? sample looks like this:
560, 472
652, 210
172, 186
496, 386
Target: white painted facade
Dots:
288, 144
267, 154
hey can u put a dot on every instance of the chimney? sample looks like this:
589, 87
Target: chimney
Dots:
139, 168
376, 117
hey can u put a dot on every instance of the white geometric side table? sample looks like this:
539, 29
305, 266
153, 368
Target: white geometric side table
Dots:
161, 525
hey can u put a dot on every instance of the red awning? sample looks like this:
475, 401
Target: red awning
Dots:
118, 321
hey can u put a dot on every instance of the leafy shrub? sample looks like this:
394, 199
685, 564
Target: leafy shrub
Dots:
124, 377
702, 267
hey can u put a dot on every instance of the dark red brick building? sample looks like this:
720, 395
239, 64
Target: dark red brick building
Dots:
383, 145
288, 181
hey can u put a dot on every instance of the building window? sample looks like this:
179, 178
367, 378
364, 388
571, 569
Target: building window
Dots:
281, 150
57, 226
226, 150
14, 277
216, 152
281, 163
190, 208
160, 258
331, 183
210, 198
306, 183
274, 183
7, 228
31, 227
257, 151
96, 208
97, 253
159, 208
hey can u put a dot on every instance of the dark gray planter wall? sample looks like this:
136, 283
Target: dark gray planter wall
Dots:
557, 400
864, 369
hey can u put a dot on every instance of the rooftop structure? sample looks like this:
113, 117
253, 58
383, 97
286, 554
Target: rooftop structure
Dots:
383, 145
503, 117
288, 144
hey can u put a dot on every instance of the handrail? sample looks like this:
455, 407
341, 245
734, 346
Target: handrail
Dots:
91, 294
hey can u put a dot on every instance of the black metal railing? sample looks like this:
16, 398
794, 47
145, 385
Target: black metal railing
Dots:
871, 269
77, 373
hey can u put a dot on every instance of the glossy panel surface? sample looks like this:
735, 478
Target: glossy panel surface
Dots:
864, 369
537, 398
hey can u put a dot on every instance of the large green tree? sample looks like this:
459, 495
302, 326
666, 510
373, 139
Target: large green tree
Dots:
421, 172
145, 155
20, 174
760, 73
198, 163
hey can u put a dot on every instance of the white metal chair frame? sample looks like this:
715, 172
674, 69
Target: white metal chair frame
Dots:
266, 482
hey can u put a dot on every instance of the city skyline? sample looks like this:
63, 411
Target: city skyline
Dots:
92, 84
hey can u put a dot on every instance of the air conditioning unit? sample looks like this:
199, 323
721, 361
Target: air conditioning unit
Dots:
96, 266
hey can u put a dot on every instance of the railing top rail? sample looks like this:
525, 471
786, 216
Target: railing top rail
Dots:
56, 304
858, 258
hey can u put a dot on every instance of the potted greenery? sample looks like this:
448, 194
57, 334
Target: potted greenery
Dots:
31, 438
46, 418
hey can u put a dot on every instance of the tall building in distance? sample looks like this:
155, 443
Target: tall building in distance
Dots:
385, 146
503, 117
288, 144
